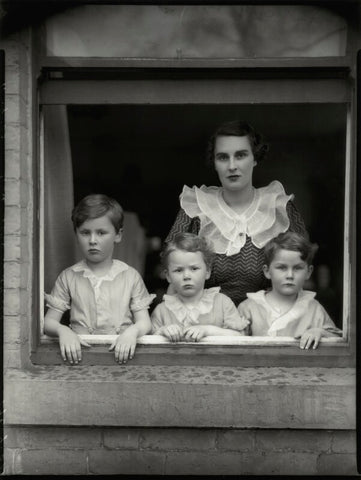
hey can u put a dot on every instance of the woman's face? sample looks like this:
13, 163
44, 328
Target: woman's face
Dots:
234, 161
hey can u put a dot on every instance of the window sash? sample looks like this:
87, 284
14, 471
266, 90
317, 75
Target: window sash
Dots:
214, 91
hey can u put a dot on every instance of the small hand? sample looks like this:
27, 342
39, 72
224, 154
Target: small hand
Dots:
173, 332
70, 345
312, 335
124, 346
195, 333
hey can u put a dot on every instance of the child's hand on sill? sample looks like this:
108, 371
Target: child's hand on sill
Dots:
194, 333
309, 337
70, 345
173, 333
124, 346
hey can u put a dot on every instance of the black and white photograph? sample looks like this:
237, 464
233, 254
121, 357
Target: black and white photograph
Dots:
179, 273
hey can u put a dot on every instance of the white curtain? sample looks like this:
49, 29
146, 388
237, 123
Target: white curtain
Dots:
59, 242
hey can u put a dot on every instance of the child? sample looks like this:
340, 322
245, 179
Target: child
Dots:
193, 312
287, 309
105, 296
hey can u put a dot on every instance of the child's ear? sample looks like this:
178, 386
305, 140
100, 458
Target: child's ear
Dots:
309, 271
118, 236
266, 271
167, 276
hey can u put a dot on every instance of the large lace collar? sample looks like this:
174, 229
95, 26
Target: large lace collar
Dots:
188, 314
265, 218
281, 321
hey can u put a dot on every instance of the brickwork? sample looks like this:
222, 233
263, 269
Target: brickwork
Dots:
74, 450
18, 196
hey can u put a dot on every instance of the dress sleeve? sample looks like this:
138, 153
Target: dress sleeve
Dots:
231, 318
156, 319
297, 224
246, 314
326, 323
140, 299
59, 299
183, 224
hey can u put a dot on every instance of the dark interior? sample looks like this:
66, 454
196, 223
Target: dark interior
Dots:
142, 155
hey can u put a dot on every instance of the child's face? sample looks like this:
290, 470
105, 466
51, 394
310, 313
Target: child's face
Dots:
187, 272
96, 238
287, 272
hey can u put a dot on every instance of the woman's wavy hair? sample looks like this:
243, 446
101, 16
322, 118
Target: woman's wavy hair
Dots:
189, 242
238, 128
95, 206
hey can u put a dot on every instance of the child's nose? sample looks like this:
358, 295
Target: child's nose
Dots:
290, 273
93, 238
186, 274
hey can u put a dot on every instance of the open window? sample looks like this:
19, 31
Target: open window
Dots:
139, 136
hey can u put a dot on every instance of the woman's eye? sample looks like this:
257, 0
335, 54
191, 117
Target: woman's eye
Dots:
240, 155
221, 157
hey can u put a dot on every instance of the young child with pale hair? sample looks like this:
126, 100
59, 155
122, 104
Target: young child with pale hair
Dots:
193, 312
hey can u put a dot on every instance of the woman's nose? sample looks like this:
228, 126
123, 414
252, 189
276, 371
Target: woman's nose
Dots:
232, 164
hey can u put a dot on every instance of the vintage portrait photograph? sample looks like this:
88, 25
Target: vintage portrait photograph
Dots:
180, 279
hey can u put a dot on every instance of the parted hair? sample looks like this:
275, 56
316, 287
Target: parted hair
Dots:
95, 206
238, 128
189, 242
290, 241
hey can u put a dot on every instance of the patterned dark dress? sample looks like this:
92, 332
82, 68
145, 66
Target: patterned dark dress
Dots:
241, 273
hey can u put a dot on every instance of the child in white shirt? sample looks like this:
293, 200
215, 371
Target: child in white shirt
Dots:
193, 312
286, 309
105, 296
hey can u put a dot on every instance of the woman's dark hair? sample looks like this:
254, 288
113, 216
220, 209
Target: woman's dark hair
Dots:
238, 128
95, 206
290, 241
188, 242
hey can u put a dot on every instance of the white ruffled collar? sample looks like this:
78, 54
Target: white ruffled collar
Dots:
116, 268
188, 315
281, 321
264, 219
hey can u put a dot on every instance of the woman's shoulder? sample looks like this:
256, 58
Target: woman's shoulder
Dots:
274, 188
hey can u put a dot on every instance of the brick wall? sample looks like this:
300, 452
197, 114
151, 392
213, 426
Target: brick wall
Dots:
73, 450
18, 196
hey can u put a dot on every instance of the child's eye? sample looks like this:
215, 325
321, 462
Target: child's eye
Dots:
195, 268
101, 232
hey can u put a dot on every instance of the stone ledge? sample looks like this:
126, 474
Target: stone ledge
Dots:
170, 396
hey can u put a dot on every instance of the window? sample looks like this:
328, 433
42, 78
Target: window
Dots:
143, 135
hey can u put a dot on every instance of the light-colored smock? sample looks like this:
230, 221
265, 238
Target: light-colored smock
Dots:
214, 308
265, 320
99, 305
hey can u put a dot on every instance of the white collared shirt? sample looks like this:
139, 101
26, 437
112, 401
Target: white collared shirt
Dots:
99, 305
266, 320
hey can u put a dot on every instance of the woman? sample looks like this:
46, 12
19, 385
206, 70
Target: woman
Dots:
238, 218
